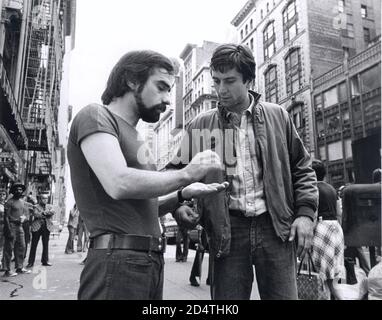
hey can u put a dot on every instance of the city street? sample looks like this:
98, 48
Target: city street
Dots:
61, 281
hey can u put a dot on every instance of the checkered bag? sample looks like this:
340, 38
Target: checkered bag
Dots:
309, 285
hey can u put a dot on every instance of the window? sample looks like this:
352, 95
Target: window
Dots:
330, 97
354, 86
270, 77
371, 79
342, 92
269, 40
350, 30
318, 101
267, 7
322, 153
251, 44
241, 34
298, 116
366, 35
348, 149
290, 19
364, 11
261, 13
293, 71
341, 5
251, 24
246, 29
335, 151
320, 128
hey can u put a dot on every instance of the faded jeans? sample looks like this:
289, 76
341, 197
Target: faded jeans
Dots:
122, 275
254, 242
70, 243
15, 245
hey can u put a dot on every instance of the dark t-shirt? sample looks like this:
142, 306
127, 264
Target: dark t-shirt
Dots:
327, 205
101, 213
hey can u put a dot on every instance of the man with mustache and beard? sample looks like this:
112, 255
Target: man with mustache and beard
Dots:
16, 212
116, 185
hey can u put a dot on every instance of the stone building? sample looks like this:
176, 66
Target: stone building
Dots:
347, 113
295, 41
32, 48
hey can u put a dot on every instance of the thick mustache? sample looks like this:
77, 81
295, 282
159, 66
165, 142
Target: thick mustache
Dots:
162, 107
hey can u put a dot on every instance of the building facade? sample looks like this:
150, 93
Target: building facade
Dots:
198, 92
13, 137
347, 113
169, 129
32, 47
294, 41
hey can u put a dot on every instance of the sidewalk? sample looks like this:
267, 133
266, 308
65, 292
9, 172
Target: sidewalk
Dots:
61, 281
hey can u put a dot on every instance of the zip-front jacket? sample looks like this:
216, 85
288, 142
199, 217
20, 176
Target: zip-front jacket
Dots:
290, 183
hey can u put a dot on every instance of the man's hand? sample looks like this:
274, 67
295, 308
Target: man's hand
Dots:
303, 226
199, 190
37, 214
186, 217
202, 163
49, 212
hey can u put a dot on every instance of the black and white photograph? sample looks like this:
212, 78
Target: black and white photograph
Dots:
202, 152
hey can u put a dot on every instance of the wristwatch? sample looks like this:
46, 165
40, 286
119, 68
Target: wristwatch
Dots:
183, 201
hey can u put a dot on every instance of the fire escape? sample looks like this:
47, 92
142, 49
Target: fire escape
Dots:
41, 87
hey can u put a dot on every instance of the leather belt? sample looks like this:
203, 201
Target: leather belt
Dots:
236, 213
327, 218
129, 242
241, 214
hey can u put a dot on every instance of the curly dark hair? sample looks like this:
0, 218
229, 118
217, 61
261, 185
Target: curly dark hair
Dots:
135, 67
229, 56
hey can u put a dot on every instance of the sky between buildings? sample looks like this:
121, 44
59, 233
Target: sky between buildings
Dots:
105, 30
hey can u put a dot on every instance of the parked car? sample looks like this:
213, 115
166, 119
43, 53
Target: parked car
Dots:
170, 228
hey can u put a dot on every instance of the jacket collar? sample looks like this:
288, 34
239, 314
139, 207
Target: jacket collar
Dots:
256, 106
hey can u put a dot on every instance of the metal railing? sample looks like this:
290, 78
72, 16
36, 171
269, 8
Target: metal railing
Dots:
7, 88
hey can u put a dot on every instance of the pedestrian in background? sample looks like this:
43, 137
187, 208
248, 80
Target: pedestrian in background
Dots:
182, 244
72, 227
201, 247
3, 197
41, 227
30, 202
16, 212
82, 235
328, 239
